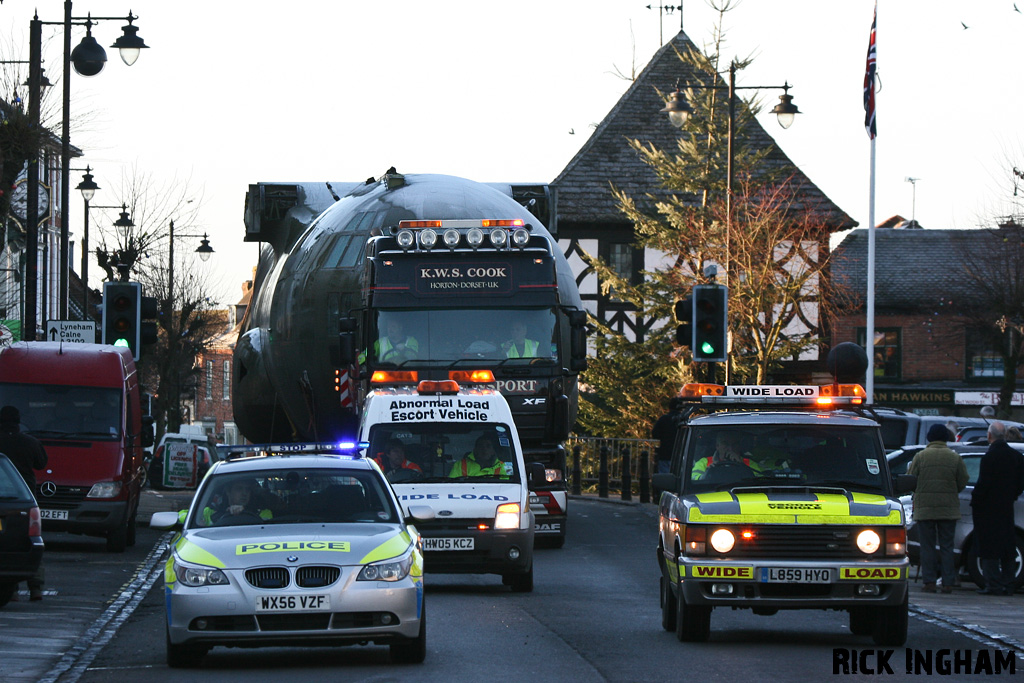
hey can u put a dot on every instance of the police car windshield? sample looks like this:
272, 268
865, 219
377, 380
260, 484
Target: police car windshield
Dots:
451, 452
724, 457
289, 496
454, 334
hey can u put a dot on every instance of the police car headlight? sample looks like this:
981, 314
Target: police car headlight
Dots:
507, 516
868, 541
105, 489
723, 540
392, 570
196, 575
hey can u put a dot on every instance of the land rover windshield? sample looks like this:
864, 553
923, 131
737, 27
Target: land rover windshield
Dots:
724, 457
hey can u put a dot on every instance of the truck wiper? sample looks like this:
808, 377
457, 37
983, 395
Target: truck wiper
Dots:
47, 432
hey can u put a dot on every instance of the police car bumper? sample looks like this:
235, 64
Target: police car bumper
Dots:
348, 611
492, 552
795, 585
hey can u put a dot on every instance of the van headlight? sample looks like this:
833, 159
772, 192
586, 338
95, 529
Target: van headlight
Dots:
507, 516
391, 570
194, 575
105, 489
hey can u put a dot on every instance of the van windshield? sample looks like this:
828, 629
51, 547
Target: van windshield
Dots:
444, 452
65, 412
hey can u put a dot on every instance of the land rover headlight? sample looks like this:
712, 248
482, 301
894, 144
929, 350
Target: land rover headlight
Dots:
390, 570
723, 540
194, 575
868, 541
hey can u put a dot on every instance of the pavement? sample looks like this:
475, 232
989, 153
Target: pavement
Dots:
993, 620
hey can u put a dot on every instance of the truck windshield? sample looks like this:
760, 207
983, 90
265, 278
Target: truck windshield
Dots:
444, 452
454, 334
65, 412
723, 457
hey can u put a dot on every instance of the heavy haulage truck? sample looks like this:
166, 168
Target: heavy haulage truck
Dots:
425, 274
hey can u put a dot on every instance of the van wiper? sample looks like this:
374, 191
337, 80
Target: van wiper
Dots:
47, 432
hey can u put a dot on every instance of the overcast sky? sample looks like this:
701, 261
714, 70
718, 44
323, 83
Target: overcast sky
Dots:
232, 93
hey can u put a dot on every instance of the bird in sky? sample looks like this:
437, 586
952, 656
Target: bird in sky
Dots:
964, 25
1015, 8
572, 131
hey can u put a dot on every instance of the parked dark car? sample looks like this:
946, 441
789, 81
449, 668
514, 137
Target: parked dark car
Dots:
963, 540
21, 536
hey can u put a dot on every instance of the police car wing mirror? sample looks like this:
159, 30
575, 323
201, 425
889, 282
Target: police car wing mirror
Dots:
419, 513
905, 483
165, 520
664, 481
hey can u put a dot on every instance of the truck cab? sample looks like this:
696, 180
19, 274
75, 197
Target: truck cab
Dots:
82, 402
452, 445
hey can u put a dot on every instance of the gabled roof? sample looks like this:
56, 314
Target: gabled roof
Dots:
584, 186
915, 270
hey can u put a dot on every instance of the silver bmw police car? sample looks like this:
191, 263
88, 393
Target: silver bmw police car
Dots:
292, 546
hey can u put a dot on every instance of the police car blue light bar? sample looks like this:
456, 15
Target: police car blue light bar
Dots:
349, 448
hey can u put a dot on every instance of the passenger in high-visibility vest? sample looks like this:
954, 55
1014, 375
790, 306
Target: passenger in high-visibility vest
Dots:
395, 346
519, 346
483, 461
728, 449
393, 458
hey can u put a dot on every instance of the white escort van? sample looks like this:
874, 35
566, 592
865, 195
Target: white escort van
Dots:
452, 445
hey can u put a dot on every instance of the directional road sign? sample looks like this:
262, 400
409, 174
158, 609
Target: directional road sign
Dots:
71, 331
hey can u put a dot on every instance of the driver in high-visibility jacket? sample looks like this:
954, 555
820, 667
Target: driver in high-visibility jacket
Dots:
728, 449
519, 346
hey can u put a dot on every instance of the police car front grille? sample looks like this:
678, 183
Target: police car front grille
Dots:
316, 577
797, 542
268, 577
311, 621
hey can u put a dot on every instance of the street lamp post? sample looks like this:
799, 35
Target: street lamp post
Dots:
204, 250
88, 59
678, 110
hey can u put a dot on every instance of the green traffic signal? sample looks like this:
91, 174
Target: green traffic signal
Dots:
708, 349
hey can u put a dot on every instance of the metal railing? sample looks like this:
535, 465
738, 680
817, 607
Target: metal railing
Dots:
621, 467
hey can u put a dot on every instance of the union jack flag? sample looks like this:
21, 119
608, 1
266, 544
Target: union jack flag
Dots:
869, 82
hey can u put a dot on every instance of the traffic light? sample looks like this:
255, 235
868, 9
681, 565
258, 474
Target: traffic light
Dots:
122, 310
149, 310
710, 323
683, 312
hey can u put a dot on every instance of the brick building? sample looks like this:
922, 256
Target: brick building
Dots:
211, 408
931, 354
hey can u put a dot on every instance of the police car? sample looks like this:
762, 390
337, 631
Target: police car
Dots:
768, 509
295, 544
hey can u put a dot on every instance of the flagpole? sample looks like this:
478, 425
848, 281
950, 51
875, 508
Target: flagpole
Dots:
870, 107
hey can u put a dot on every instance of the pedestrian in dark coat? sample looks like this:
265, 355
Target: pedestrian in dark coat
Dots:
665, 431
27, 454
1000, 482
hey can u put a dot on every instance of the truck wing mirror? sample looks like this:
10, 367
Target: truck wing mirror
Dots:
345, 353
577, 340
535, 474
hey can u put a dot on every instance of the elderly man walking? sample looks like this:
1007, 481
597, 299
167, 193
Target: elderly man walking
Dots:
941, 475
1000, 482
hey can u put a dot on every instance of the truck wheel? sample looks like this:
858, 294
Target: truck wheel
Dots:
520, 583
668, 606
693, 622
412, 651
184, 656
891, 624
862, 621
7, 592
117, 540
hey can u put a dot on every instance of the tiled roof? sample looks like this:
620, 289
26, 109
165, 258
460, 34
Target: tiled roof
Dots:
914, 269
583, 187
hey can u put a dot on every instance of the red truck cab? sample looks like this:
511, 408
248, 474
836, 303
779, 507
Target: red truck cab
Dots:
82, 401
